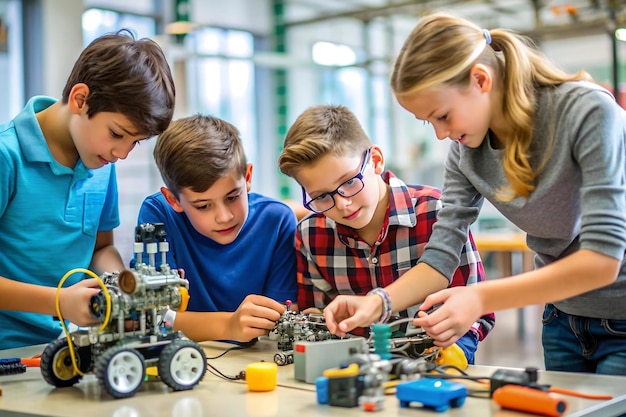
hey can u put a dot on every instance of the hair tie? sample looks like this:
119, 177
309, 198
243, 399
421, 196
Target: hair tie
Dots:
487, 36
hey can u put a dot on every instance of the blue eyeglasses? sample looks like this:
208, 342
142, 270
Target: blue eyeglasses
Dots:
348, 189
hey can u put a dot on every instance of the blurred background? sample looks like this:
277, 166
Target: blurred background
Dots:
260, 63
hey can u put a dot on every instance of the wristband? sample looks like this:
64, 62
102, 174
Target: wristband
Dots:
384, 295
169, 317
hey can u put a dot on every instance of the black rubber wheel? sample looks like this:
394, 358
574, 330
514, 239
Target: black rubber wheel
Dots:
182, 364
56, 363
121, 371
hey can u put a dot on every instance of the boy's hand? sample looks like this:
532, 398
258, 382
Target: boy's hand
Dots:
256, 316
75, 302
460, 308
347, 312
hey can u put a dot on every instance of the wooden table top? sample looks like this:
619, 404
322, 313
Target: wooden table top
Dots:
500, 242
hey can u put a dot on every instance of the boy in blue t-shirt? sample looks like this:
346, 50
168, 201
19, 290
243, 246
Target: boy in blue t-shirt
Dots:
58, 191
237, 248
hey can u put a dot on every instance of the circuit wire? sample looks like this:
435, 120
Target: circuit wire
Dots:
230, 349
220, 374
57, 301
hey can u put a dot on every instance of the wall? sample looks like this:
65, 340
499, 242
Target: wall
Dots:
62, 40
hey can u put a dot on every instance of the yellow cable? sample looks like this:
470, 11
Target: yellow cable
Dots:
107, 315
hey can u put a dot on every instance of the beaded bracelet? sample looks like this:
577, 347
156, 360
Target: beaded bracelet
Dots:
384, 295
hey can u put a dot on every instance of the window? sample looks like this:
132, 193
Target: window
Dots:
364, 92
97, 22
221, 80
11, 64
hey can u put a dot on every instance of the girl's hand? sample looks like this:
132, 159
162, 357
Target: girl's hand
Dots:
461, 307
347, 312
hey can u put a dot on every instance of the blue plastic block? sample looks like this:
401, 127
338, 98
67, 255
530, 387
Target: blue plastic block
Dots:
321, 388
434, 393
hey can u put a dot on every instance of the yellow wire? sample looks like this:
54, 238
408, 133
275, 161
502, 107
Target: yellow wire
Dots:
107, 315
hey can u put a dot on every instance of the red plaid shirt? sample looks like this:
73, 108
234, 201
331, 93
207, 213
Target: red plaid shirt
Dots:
333, 260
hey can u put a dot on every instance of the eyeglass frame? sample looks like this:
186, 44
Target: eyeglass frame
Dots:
358, 176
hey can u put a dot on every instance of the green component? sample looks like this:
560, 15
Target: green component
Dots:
280, 78
382, 333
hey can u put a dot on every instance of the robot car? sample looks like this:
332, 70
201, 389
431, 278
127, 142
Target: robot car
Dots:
132, 336
293, 327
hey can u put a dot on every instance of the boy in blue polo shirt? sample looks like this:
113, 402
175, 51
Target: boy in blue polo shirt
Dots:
237, 248
58, 191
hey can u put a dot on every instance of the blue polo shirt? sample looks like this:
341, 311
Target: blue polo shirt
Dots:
49, 217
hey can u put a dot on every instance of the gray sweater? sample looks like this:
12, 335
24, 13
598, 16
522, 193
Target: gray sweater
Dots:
580, 196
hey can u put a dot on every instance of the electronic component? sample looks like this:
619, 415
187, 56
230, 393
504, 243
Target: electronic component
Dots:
311, 359
525, 378
357, 384
293, 327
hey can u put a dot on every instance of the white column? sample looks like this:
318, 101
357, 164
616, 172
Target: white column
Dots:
62, 42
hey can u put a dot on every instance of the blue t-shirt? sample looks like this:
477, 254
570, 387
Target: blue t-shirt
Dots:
261, 260
49, 217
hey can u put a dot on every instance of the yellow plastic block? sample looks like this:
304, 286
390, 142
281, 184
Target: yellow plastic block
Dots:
452, 355
261, 376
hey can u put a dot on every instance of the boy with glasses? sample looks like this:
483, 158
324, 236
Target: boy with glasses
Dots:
367, 227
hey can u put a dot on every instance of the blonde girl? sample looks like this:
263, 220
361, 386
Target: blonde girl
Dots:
547, 150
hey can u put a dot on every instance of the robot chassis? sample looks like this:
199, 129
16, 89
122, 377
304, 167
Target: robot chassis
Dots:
293, 327
131, 338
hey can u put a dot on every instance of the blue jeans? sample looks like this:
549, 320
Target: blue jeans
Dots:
583, 344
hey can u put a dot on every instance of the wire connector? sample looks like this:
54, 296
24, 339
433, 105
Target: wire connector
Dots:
525, 378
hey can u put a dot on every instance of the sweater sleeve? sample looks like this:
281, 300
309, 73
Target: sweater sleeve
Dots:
598, 148
461, 204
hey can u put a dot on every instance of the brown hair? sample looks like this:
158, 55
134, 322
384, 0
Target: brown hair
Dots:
319, 131
194, 152
126, 76
441, 51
